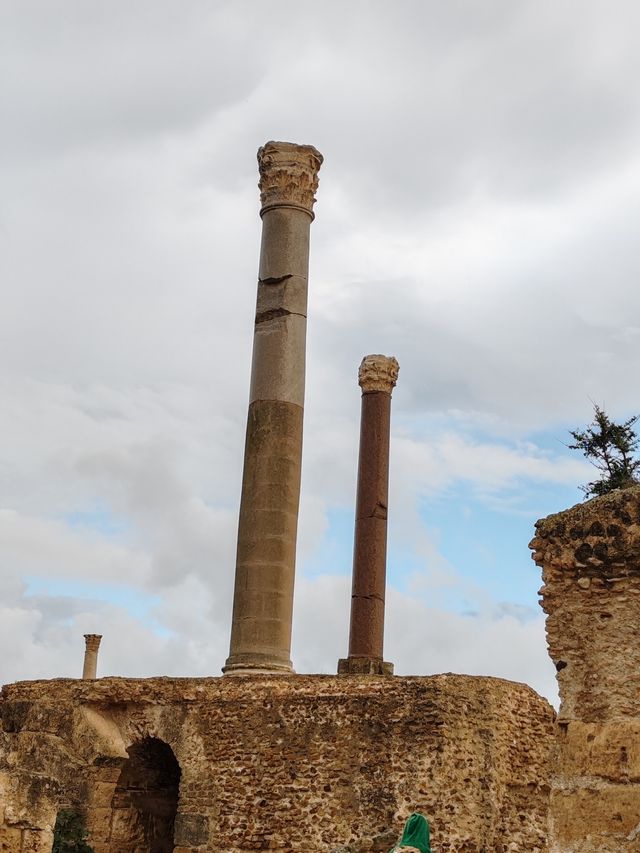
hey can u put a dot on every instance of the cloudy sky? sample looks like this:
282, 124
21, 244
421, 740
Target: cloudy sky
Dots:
476, 218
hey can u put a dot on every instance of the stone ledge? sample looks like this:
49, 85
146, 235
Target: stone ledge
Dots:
364, 666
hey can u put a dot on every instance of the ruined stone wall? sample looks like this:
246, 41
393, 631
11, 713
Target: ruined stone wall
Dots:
294, 763
590, 557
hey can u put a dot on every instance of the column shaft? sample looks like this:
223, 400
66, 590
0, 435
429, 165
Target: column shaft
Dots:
377, 376
90, 665
366, 634
268, 522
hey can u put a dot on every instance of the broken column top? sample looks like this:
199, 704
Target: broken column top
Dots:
288, 175
378, 373
92, 641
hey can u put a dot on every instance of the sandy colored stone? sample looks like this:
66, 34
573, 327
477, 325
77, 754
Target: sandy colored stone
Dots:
265, 564
284, 248
592, 629
90, 665
267, 528
378, 373
590, 559
278, 365
296, 763
609, 751
288, 175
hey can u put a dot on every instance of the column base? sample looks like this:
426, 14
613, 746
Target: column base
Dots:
245, 670
364, 666
243, 664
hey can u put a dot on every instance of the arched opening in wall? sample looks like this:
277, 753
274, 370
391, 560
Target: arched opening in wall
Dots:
145, 800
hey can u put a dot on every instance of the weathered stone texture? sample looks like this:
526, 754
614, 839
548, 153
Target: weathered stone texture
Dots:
377, 376
313, 763
90, 665
265, 567
288, 175
590, 558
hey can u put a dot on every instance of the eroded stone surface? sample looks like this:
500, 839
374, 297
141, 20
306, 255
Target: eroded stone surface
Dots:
267, 530
90, 665
590, 558
305, 764
288, 175
378, 373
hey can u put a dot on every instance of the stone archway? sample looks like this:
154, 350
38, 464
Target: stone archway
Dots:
145, 800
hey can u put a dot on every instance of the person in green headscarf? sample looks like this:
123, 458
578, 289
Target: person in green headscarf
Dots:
415, 834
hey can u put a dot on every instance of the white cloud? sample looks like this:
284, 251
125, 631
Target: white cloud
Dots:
476, 218
423, 640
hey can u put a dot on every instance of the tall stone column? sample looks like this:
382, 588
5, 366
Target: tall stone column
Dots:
377, 377
92, 644
268, 524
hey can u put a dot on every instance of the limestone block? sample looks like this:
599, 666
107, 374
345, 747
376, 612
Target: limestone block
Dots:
594, 810
99, 822
37, 841
287, 295
106, 737
101, 794
10, 840
284, 250
610, 751
278, 366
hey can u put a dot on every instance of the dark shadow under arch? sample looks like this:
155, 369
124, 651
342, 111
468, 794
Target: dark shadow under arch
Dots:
145, 800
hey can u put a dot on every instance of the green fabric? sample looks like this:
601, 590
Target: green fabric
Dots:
415, 834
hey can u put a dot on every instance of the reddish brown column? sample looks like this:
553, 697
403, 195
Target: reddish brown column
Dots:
377, 377
268, 523
92, 644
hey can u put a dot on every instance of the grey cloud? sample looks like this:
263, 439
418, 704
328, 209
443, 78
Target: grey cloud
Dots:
98, 75
476, 218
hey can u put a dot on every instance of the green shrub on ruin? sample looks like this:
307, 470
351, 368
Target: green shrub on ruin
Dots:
611, 448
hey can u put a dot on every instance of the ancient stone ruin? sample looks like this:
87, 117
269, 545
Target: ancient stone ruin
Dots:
377, 377
92, 645
590, 558
268, 526
264, 759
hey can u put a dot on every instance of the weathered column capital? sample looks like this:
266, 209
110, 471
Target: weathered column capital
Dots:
92, 641
288, 176
378, 373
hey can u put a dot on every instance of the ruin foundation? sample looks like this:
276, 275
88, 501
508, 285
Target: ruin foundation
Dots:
293, 763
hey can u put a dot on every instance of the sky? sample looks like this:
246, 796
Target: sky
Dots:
476, 218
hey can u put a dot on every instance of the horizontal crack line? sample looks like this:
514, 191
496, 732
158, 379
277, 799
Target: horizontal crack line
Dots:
276, 279
274, 313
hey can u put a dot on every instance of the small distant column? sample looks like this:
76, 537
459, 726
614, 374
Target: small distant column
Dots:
377, 377
268, 520
92, 644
